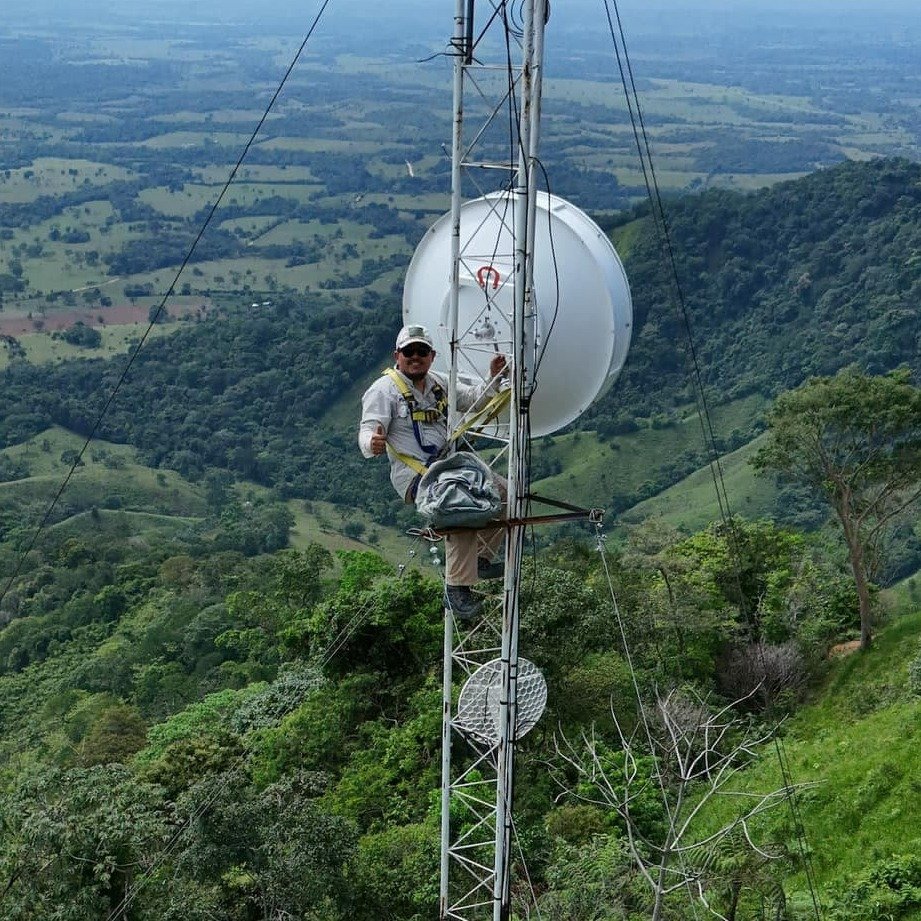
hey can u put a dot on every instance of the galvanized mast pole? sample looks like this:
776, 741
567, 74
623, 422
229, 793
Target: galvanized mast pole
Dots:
460, 52
524, 333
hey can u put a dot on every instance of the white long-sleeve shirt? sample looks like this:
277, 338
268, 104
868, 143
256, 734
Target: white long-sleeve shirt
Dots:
383, 404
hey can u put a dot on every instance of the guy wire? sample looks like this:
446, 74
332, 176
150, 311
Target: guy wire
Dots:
706, 422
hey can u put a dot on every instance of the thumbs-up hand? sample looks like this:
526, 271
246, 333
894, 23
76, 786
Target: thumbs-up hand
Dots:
379, 440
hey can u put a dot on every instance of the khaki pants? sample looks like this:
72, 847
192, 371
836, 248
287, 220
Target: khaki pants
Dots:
462, 548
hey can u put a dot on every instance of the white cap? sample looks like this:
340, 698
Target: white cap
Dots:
410, 334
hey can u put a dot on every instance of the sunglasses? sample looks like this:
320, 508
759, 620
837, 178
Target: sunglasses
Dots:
416, 350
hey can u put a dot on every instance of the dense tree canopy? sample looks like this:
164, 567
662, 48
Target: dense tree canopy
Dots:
795, 280
292, 745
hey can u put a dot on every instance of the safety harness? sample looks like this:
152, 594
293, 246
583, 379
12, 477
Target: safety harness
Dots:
417, 415
492, 408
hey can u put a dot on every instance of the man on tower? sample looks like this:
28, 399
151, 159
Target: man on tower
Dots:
404, 413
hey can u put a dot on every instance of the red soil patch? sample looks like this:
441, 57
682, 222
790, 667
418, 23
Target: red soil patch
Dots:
118, 315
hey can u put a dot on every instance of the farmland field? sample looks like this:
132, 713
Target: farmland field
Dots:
349, 168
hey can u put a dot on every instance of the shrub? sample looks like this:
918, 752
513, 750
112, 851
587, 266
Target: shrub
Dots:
889, 890
82, 335
769, 673
914, 675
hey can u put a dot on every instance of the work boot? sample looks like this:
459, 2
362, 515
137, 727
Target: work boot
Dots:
462, 602
489, 570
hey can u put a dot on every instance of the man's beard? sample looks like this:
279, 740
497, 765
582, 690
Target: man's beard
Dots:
416, 375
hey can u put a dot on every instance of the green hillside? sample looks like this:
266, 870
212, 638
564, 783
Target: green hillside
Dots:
112, 493
795, 280
218, 632
855, 746
294, 696
221, 651
620, 468
691, 504
798, 279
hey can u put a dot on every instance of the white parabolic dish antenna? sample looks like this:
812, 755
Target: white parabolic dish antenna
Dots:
478, 706
584, 314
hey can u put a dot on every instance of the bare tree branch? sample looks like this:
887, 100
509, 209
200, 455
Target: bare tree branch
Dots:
702, 753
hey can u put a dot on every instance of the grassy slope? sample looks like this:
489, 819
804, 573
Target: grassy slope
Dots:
138, 487
161, 502
691, 504
593, 471
857, 743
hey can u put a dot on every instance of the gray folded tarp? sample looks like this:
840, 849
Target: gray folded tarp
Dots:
458, 492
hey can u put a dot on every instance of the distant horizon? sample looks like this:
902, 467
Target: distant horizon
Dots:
264, 13
414, 29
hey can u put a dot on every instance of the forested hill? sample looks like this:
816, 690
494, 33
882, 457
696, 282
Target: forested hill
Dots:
195, 726
799, 279
246, 390
794, 280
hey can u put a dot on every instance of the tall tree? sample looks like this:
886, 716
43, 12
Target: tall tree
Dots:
856, 439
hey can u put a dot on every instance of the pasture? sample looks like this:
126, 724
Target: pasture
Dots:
597, 470
691, 504
41, 348
218, 174
133, 171
56, 176
142, 503
193, 198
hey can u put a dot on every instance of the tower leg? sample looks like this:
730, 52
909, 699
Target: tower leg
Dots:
446, 721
